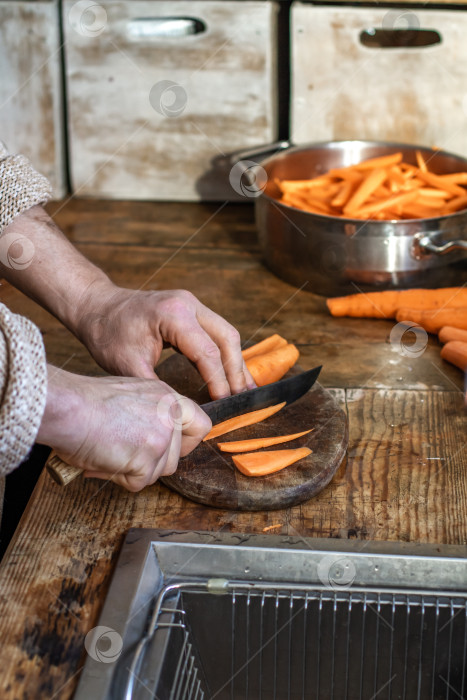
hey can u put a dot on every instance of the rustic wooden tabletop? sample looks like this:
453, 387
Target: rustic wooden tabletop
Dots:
404, 477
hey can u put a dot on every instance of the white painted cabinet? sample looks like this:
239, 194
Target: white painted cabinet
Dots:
160, 92
347, 83
31, 112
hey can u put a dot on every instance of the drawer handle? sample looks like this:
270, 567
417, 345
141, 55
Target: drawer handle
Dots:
164, 27
410, 38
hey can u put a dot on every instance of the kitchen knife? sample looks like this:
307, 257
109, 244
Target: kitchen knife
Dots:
288, 390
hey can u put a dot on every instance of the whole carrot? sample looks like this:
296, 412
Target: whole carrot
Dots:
455, 352
385, 304
448, 333
432, 320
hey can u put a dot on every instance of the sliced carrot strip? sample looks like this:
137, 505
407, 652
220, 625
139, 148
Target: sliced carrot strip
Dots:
263, 463
266, 345
242, 421
379, 162
271, 366
258, 443
373, 180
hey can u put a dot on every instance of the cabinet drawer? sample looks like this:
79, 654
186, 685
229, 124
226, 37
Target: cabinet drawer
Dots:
154, 105
31, 120
345, 89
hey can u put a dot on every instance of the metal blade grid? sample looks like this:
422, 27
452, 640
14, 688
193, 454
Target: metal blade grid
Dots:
291, 645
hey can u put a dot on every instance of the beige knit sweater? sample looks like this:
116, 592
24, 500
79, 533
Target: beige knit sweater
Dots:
23, 374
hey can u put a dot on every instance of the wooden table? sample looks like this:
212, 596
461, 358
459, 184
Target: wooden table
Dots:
404, 478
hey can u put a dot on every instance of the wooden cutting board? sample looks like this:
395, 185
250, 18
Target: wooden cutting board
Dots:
209, 476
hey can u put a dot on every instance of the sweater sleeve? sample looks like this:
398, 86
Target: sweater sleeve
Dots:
23, 387
21, 187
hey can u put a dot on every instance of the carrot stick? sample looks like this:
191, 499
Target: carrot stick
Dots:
455, 352
436, 181
432, 320
420, 162
271, 343
258, 443
385, 304
395, 200
379, 162
271, 366
448, 333
373, 180
343, 195
263, 463
242, 421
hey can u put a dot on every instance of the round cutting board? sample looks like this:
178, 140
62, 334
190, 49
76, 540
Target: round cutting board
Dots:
209, 476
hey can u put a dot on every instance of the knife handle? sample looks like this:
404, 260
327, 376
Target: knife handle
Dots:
61, 472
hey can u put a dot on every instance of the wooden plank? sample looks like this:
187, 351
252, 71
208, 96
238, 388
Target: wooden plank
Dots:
404, 479
126, 144
344, 90
31, 103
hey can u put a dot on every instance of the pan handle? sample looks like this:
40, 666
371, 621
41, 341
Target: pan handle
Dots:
427, 245
259, 153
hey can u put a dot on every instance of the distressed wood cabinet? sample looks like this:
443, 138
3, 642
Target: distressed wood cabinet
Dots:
31, 109
159, 93
348, 83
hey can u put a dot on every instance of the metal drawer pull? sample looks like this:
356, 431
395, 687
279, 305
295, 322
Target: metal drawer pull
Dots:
409, 38
164, 27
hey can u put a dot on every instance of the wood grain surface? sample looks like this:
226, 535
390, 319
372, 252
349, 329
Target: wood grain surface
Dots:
404, 477
209, 476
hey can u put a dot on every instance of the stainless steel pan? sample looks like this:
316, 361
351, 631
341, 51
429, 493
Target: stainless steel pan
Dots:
331, 255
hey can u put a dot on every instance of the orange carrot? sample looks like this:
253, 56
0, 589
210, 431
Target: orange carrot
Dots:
258, 443
432, 320
242, 421
379, 162
266, 345
373, 180
420, 162
263, 463
385, 304
448, 333
455, 352
271, 366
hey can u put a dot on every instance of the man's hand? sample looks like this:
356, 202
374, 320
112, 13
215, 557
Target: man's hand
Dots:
131, 431
125, 331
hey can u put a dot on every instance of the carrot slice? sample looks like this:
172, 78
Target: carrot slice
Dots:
266, 345
258, 443
379, 162
455, 352
242, 421
432, 320
385, 304
373, 180
271, 366
263, 463
448, 333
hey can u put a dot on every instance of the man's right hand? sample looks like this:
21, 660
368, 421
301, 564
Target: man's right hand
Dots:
131, 431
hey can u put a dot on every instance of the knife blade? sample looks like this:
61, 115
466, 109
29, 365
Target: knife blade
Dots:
288, 390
